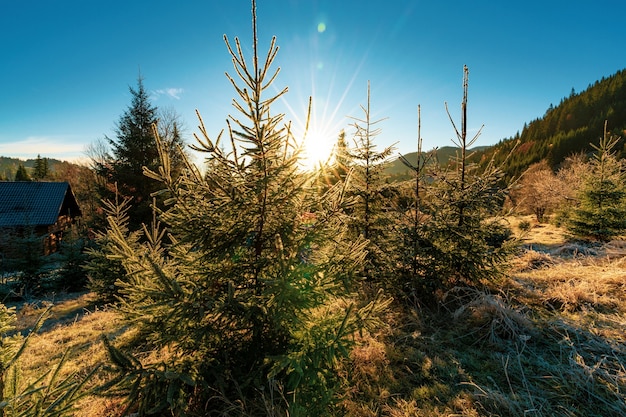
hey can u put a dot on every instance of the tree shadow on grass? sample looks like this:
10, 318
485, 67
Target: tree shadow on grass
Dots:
66, 308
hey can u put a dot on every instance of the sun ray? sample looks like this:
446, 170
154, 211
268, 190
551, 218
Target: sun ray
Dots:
329, 87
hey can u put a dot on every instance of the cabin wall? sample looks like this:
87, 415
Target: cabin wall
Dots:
45, 240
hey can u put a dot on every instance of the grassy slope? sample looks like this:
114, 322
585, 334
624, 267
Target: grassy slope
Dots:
548, 340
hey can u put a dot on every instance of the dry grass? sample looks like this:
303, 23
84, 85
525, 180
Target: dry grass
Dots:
540, 234
74, 324
548, 340
493, 318
574, 361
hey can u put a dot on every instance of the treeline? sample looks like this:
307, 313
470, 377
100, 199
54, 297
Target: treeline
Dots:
14, 169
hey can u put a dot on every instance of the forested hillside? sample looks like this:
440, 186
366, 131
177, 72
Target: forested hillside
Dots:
568, 128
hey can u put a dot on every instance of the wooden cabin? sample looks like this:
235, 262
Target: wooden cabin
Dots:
45, 209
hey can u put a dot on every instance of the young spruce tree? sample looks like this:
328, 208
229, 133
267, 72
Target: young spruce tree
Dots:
601, 213
102, 270
370, 212
247, 304
412, 221
465, 239
336, 169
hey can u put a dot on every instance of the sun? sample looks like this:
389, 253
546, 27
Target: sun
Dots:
314, 135
317, 148
317, 136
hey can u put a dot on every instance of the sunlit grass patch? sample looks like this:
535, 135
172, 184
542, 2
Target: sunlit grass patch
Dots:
536, 234
584, 283
73, 325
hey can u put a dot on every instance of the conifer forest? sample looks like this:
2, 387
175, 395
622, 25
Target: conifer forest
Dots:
462, 281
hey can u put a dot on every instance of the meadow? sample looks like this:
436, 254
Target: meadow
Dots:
547, 339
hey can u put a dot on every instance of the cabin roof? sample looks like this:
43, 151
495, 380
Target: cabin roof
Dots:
26, 203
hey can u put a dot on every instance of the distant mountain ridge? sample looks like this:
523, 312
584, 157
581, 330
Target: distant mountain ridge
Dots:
441, 156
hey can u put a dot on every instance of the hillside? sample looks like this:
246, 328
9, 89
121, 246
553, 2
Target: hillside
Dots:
564, 130
441, 156
568, 128
8, 166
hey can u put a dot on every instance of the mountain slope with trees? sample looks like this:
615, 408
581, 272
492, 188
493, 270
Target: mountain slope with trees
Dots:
442, 157
566, 129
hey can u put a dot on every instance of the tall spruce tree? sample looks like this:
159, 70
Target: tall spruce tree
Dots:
21, 174
132, 149
249, 298
601, 213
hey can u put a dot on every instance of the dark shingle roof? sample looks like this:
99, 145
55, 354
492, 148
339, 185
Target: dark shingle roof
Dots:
35, 203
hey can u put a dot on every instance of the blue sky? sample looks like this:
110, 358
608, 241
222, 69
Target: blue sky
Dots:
65, 66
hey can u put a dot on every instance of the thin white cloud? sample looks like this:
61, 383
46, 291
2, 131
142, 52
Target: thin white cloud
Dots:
56, 147
174, 93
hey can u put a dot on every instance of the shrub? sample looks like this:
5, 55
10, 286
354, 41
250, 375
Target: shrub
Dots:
524, 226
